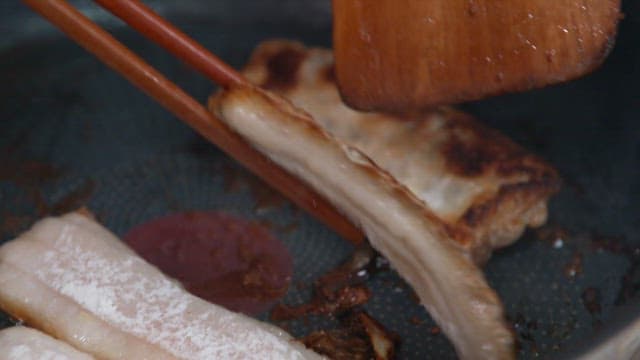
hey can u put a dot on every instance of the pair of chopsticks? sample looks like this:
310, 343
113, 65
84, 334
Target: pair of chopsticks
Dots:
117, 56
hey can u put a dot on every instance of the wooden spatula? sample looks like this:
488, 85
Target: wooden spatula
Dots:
406, 55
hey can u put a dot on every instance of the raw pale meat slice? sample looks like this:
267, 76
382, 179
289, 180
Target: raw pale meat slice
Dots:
22, 343
74, 279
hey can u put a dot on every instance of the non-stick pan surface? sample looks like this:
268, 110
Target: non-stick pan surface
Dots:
73, 132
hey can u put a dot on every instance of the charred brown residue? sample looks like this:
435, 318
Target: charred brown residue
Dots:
470, 156
341, 301
339, 290
478, 213
283, 68
383, 341
587, 243
358, 268
574, 267
468, 159
339, 344
473, 149
517, 193
525, 331
359, 336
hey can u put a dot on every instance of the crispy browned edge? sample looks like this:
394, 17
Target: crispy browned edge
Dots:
489, 152
372, 169
464, 264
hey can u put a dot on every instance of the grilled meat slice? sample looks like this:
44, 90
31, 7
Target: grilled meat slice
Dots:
483, 186
397, 224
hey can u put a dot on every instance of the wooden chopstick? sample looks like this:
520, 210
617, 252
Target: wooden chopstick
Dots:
137, 71
163, 33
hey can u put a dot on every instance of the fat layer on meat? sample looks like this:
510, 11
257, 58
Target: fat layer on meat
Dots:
397, 224
22, 343
483, 186
74, 279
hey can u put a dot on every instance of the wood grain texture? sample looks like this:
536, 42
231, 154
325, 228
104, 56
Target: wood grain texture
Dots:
412, 54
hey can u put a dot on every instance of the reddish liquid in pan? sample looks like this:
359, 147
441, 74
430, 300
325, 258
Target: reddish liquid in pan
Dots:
223, 259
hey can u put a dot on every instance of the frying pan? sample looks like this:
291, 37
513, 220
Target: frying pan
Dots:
73, 132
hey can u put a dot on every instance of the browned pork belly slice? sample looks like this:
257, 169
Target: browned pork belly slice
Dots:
22, 343
74, 279
397, 224
484, 187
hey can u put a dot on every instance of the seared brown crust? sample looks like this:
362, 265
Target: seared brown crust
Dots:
515, 183
475, 151
283, 66
396, 222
